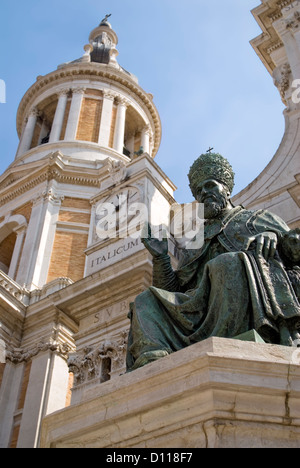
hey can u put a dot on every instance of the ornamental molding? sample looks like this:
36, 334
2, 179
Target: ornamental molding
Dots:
117, 171
292, 23
19, 355
14, 289
86, 366
274, 47
52, 196
283, 83
78, 90
91, 71
284, 3
54, 170
275, 18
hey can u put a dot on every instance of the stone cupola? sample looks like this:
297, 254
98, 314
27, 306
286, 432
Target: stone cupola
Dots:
90, 108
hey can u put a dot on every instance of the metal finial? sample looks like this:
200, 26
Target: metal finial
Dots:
106, 18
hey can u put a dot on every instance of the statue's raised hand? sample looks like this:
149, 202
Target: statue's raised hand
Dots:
156, 247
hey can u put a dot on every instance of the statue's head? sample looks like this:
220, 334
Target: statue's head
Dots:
212, 181
211, 166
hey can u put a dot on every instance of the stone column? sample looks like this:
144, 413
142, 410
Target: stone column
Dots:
39, 272
33, 270
26, 138
32, 234
59, 116
120, 125
20, 231
74, 114
106, 116
46, 392
130, 144
145, 140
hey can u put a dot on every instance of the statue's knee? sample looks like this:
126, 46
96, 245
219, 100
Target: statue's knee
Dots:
144, 298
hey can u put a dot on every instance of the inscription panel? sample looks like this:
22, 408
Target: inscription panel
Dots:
113, 253
105, 315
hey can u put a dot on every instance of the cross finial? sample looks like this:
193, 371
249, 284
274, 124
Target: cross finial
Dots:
209, 150
106, 18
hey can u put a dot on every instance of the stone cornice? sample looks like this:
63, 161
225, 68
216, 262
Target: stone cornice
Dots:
19, 355
94, 72
52, 168
137, 176
14, 290
265, 14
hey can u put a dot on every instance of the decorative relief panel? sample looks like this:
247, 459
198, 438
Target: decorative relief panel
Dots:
99, 362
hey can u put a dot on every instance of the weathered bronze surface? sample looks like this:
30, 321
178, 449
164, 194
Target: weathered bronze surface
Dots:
245, 277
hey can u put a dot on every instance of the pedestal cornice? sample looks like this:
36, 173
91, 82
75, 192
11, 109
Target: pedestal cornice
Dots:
219, 393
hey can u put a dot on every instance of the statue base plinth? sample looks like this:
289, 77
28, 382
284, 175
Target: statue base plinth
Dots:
217, 393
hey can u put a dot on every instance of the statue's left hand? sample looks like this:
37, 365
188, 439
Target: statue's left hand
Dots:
266, 244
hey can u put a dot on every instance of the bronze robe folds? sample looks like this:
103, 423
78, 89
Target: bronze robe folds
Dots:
224, 289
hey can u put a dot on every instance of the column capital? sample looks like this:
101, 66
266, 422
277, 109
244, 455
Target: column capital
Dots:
78, 90
147, 130
20, 229
52, 196
34, 112
107, 94
122, 101
62, 92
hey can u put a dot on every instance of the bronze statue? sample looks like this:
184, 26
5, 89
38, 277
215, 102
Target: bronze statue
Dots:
246, 276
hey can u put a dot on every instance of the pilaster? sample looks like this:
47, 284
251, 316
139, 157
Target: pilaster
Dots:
33, 269
52, 203
31, 239
46, 393
36, 378
9, 395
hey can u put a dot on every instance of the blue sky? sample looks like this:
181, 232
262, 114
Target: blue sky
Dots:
194, 56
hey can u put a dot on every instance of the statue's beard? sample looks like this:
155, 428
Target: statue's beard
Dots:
214, 206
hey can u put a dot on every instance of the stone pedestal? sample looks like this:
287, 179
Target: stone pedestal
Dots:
215, 394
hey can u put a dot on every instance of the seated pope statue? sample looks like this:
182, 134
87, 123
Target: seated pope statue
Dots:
246, 276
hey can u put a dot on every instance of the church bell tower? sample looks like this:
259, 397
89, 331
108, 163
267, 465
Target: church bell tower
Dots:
88, 135
73, 124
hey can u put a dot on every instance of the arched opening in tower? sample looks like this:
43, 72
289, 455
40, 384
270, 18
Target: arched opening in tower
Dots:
6, 251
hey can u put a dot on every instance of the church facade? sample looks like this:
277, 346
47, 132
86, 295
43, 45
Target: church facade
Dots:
277, 187
88, 138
